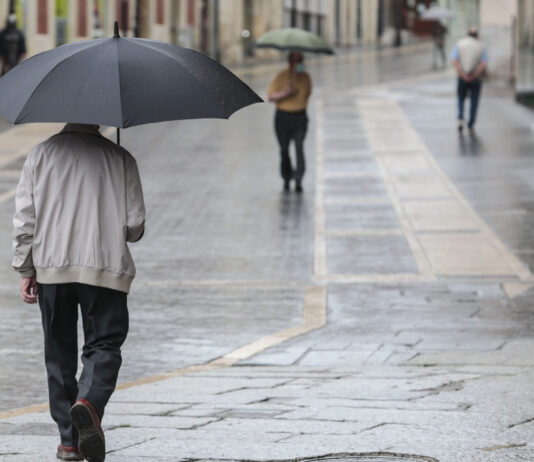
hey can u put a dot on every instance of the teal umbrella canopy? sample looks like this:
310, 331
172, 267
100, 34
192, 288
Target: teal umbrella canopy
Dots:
293, 39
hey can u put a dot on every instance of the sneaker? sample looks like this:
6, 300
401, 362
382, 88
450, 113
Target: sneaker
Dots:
68, 453
460, 125
92, 443
286, 186
298, 188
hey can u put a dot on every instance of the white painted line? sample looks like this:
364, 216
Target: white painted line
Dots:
320, 264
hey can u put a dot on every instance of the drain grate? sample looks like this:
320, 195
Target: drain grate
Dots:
370, 457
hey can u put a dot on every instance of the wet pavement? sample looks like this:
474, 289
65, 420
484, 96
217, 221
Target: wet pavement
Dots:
384, 314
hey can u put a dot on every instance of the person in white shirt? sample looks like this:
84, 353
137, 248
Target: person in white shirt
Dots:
470, 60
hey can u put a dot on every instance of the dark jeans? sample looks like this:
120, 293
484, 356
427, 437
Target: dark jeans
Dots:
291, 126
105, 326
473, 89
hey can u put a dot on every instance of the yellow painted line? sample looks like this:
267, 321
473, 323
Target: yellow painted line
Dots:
513, 289
357, 200
350, 174
7, 159
313, 317
4, 197
227, 284
377, 278
320, 264
23, 411
11, 173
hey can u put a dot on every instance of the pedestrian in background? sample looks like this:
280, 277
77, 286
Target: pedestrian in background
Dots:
12, 44
290, 90
470, 60
439, 35
78, 203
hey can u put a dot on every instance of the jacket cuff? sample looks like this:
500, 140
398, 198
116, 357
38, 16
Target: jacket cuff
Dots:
26, 273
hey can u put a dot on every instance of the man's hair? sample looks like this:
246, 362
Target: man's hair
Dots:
473, 32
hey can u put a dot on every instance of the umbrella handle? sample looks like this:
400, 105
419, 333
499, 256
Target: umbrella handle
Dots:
118, 136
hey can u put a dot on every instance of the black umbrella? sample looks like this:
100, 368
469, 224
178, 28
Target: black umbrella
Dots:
121, 82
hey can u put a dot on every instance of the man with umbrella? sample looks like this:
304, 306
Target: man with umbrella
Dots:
12, 44
290, 90
80, 201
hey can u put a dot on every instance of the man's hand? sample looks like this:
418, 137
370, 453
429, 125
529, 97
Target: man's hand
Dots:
28, 289
290, 90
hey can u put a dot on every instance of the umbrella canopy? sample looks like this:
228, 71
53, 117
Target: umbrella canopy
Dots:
293, 39
121, 82
436, 13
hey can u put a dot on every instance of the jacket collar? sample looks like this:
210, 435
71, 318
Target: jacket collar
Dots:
80, 128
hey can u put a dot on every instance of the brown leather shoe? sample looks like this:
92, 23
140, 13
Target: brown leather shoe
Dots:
68, 453
92, 443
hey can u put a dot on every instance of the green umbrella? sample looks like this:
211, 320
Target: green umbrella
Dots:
293, 39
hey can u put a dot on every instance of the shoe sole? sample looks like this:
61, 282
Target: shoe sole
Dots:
91, 443
68, 456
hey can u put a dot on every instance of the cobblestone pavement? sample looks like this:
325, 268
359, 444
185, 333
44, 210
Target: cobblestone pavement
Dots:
385, 312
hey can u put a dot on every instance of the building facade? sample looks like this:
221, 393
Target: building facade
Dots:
223, 29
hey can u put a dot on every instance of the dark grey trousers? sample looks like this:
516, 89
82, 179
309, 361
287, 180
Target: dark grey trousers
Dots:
291, 126
105, 326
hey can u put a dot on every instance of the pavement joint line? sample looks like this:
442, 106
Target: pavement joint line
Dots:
363, 232
320, 264
313, 317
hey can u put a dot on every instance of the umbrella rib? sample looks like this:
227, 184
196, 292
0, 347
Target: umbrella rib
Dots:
120, 84
90, 45
169, 55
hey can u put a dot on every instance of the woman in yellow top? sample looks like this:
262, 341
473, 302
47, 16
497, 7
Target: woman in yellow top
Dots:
290, 90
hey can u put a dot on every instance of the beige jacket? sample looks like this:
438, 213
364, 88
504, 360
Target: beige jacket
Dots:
78, 203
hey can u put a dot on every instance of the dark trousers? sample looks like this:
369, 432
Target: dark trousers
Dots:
473, 89
291, 126
105, 326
